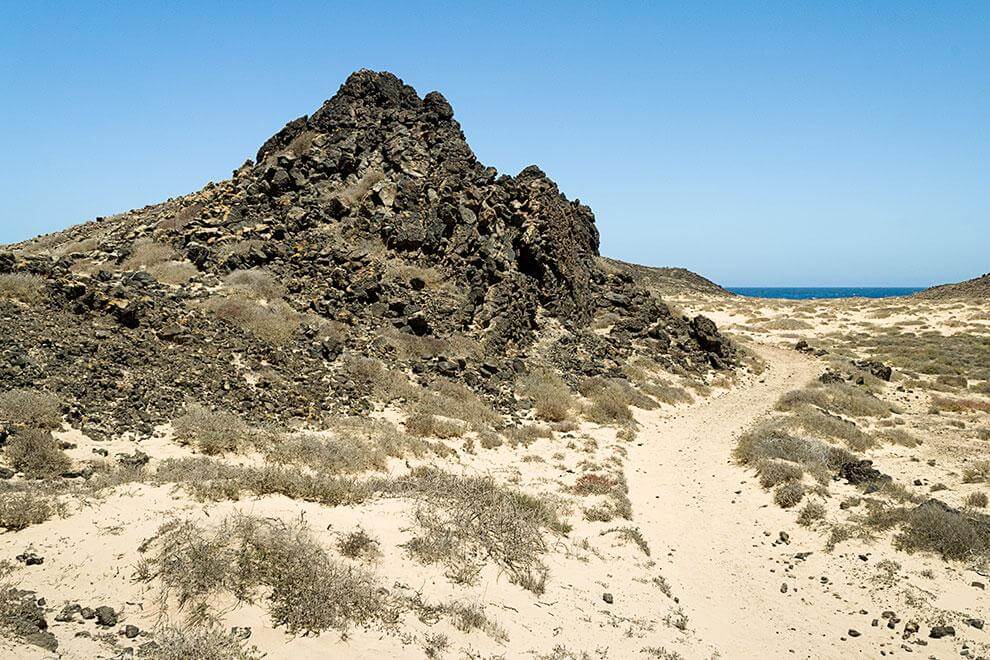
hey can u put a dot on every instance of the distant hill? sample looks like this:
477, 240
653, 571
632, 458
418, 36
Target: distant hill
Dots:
665, 281
978, 287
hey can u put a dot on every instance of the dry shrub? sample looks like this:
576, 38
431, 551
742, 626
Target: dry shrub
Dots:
552, 399
307, 591
358, 545
176, 273
210, 431
23, 509
946, 404
446, 398
256, 283
594, 484
182, 217
899, 437
383, 384
354, 193
424, 425
203, 642
934, 527
788, 495
37, 454
465, 521
978, 471
977, 500
408, 346
810, 513
666, 393
769, 441
275, 322
774, 472
836, 398
149, 253
952, 381
331, 455
633, 534
830, 427
216, 480
24, 287
526, 435
786, 324
609, 405
31, 408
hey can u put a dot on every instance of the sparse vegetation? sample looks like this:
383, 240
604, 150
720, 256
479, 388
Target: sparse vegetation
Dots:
149, 253
770, 441
19, 510
976, 472
934, 527
788, 495
203, 642
810, 513
977, 500
836, 398
307, 591
173, 272
274, 322
24, 287
552, 399
30, 409
255, 283
37, 454
358, 545
212, 432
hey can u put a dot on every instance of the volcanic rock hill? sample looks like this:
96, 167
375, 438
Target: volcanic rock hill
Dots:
364, 237
977, 288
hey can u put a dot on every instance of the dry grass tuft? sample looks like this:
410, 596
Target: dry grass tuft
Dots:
31, 409
23, 509
788, 495
205, 642
24, 287
255, 283
37, 454
275, 322
358, 545
464, 521
175, 273
976, 472
210, 431
149, 253
837, 399
946, 404
769, 441
552, 399
934, 527
306, 590
977, 500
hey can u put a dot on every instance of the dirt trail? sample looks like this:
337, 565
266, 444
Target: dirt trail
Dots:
714, 530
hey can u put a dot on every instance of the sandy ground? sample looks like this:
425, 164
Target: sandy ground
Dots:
746, 581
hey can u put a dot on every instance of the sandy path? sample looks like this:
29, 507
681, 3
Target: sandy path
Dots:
718, 529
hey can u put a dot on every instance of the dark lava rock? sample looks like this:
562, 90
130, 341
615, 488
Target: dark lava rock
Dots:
974, 623
608, 598
30, 558
938, 632
130, 631
861, 472
878, 369
105, 616
830, 377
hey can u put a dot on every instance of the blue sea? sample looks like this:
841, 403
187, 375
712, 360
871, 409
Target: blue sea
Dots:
805, 293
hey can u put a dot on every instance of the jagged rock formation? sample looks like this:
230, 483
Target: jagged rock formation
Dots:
977, 288
367, 229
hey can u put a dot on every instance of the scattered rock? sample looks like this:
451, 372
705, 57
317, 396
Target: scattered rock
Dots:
607, 597
105, 616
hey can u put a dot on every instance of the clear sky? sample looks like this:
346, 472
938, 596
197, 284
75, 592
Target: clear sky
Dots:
758, 143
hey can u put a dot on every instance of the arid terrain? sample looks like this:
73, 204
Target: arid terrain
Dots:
368, 398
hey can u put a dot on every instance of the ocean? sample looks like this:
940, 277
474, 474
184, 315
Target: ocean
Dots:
804, 293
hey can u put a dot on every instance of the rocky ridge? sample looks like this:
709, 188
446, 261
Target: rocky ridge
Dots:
367, 230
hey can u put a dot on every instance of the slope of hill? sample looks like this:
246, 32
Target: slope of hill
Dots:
665, 280
977, 288
366, 230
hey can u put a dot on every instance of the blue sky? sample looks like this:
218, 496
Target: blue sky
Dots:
765, 143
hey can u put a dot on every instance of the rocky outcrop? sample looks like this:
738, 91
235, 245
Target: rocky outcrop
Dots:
382, 235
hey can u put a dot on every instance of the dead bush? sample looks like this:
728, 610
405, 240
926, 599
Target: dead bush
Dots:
255, 283
175, 273
788, 495
828, 426
811, 513
446, 398
307, 591
203, 642
774, 472
210, 431
552, 399
37, 454
358, 545
836, 398
977, 471
430, 426
594, 484
275, 322
23, 509
464, 521
31, 408
24, 287
899, 437
934, 527
946, 404
769, 441
977, 500
149, 253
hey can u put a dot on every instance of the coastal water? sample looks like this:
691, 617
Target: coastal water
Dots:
804, 293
